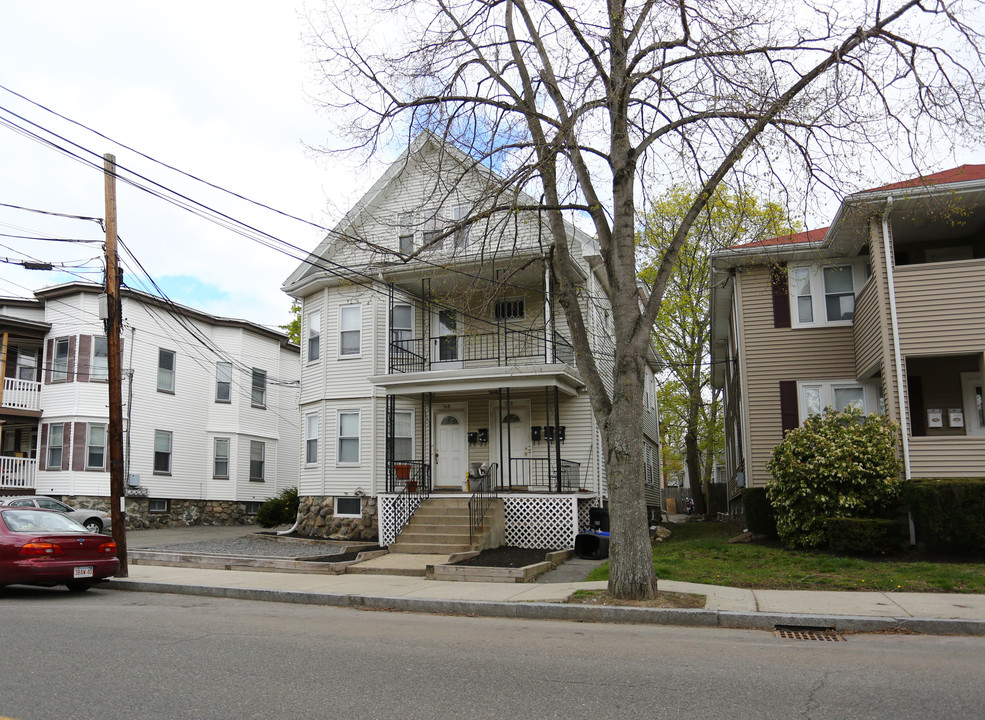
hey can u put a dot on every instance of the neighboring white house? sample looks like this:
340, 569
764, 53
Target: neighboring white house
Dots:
431, 348
210, 403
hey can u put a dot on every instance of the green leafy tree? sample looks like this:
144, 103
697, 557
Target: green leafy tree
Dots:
690, 409
836, 465
293, 328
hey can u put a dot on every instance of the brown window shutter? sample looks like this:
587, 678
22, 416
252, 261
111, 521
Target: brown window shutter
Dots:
79, 447
49, 358
789, 414
781, 296
70, 376
43, 460
66, 444
85, 353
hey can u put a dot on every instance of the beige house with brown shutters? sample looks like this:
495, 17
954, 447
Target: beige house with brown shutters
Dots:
437, 371
884, 310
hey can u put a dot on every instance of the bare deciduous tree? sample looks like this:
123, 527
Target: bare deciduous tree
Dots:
588, 105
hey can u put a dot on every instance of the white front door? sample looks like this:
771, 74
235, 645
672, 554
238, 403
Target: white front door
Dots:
446, 343
515, 424
450, 448
971, 391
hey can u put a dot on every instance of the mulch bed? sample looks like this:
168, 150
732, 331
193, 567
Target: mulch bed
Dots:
343, 557
506, 557
662, 600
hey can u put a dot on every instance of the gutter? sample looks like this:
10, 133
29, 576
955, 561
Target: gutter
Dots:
894, 321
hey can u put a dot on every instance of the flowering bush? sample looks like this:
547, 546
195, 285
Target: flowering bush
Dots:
836, 465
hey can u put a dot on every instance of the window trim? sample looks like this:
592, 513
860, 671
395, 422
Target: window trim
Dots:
152, 511
263, 461
170, 452
338, 514
174, 370
412, 433
255, 373
313, 337
216, 456
89, 446
308, 439
339, 438
358, 353
220, 382
815, 276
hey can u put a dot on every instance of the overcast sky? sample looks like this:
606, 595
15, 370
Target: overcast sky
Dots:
213, 87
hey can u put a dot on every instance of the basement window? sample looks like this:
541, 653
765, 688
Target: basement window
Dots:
348, 507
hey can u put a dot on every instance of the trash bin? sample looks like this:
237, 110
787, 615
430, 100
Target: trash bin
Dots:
590, 546
598, 519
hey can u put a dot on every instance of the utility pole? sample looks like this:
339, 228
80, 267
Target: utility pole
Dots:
114, 309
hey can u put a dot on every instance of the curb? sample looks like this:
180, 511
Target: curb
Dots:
573, 613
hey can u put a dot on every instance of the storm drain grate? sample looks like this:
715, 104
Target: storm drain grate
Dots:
808, 633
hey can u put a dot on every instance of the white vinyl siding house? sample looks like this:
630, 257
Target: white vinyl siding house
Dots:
191, 406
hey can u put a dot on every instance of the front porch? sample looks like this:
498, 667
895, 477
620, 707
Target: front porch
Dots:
18, 475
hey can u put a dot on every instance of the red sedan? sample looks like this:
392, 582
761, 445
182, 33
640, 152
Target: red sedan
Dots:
42, 547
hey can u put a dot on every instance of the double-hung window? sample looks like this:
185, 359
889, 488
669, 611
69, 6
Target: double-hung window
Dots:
814, 397
257, 458
314, 336
96, 447
223, 382
27, 365
824, 294
406, 236
99, 367
165, 370
350, 328
220, 458
348, 438
311, 439
162, 452
258, 391
56, 441
403, 435
59, 365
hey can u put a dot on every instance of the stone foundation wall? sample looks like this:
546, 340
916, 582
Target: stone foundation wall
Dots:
318, 520
182, 513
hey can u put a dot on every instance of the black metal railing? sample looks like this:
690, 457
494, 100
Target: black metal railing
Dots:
503, 348
416, 489
545, 473
483, 493
408, 474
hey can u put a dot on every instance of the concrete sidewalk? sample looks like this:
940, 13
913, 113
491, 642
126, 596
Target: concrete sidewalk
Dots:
931, 613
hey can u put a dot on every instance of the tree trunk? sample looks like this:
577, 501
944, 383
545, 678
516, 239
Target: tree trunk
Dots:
693, 460
632, 577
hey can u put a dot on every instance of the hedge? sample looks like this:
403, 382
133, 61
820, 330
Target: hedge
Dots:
948, 514
864, 536
760, 515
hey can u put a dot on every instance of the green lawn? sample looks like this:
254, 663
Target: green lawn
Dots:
698, 552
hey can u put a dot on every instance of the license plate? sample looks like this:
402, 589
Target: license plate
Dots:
82, 572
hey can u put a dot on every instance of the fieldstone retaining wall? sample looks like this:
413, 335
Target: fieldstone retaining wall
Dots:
181, 513
318, 519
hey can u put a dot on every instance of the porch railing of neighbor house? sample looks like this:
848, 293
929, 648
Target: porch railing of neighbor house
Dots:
503, 347
18, 472
483, 493
544, 473
21, 394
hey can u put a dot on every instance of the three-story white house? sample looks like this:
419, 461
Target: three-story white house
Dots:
434, 354
210, 407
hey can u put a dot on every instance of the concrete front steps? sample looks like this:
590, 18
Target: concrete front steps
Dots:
440, 526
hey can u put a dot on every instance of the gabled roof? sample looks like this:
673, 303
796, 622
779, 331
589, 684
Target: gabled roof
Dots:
962, 173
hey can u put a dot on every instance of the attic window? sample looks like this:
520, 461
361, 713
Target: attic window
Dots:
509, 309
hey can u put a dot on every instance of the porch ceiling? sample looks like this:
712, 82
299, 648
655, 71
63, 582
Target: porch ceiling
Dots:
559, 375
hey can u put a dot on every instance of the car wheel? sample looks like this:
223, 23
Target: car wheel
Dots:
93, 525
77, 586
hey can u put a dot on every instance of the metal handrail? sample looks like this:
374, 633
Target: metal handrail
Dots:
481, 499
543, 472
407, 500
505, 347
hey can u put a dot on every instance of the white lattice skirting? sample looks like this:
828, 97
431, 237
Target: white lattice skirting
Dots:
549, 522
388, 520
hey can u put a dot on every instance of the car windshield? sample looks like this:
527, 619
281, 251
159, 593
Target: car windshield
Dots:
32, 521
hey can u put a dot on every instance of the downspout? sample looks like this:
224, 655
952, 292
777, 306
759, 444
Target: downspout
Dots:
900, 390
894, 320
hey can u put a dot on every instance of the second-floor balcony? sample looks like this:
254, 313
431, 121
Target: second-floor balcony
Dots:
18, 473
21, 395
502, 348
